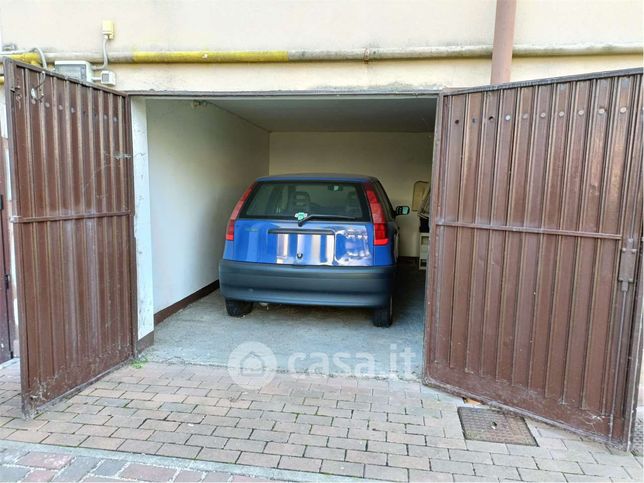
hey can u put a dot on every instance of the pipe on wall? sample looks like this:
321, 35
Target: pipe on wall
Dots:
365, 55
503, 40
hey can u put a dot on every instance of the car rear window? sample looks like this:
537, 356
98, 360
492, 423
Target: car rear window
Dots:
287, 199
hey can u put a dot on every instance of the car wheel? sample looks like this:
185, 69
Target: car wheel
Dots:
238, 308
383, 316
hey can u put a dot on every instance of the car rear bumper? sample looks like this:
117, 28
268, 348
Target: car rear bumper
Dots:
306, 285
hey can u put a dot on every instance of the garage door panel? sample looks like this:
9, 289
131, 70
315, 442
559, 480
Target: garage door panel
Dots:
486, 160
544, 290
559, 318
492, 305
30, 130
469, 165
579, 321
516, 316
635, 150
538, 156
73, 225
50, 161
67, 332
454, 152
51, 259
62, 139
596, 162
556, 156
631, 219
507, 293
477, 302
601, 301
576, 143
525, 305
467, 210
520, 152
87, 180
619, 149
96, 140
502, 157
460, 302
446, 294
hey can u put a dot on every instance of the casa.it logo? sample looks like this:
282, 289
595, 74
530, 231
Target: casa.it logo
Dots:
252, 365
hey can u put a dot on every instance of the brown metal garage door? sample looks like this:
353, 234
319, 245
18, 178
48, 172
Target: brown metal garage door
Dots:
537, 222
71, 179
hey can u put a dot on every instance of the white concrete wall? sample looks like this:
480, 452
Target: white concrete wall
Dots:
8, 200
310, 24
142, 221
201, 160
397, 159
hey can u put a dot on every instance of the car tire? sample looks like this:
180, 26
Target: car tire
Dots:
383, 316
238, 308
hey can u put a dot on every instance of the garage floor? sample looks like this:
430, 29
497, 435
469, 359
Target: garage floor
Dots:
303, 338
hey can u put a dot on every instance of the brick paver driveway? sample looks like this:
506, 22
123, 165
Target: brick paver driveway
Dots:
22, 464
295, 428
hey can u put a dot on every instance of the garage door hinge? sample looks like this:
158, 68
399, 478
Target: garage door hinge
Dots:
7, 281
627, 262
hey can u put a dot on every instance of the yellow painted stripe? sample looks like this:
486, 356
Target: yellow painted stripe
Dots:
28, 58
187, 57
207, 56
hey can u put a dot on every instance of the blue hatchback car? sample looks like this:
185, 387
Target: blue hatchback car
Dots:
312, 239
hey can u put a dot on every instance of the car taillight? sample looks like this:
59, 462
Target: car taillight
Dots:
378, 217
230, 232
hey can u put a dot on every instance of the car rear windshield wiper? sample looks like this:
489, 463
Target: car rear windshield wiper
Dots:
321, 216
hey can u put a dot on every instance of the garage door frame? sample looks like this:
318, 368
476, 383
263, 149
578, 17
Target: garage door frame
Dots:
636, 339
138, 95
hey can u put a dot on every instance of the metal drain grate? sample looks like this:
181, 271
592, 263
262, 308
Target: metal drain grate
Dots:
483, 424
636, 442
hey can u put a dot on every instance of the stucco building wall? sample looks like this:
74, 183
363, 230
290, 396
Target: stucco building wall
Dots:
332, 25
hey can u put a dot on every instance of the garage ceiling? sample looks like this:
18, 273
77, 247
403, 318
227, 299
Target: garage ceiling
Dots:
383, 114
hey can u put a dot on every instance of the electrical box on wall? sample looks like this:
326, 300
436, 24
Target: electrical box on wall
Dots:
107, 28
108, 78
81, 70
76, 69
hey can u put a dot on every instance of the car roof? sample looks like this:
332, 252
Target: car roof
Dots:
318, 177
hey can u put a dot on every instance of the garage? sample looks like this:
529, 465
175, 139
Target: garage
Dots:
204, 152
536, 212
